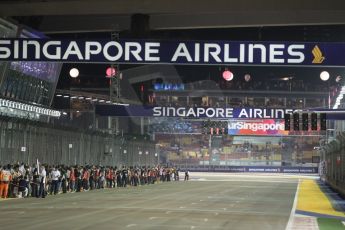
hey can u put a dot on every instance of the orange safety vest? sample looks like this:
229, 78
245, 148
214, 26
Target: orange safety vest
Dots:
5, 176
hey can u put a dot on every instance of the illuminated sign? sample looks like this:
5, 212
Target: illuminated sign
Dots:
257, 127
206, 112
173, 52
191, 112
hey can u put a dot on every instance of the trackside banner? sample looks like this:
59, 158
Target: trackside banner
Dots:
266, 127
173, 52
256, 169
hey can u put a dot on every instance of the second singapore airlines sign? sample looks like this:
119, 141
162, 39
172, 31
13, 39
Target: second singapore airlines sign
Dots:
201, 112
189, 52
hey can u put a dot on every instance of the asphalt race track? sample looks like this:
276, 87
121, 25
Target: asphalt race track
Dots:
208, 201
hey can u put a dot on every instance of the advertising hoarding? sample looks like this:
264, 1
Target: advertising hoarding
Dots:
267, 127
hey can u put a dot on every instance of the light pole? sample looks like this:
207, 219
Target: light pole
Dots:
140, 153
112, 156
156, 156
23, 150
324, 76
69, 152
157, 150
125, 153
146, 153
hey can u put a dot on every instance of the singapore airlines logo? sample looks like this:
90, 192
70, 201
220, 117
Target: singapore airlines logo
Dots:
318, 58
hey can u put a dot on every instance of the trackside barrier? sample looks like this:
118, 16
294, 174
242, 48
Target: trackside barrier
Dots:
333, 166
253, 169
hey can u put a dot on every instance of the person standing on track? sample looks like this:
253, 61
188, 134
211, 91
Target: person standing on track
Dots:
35, 185
86, 177
55, 175
43, 182
5, 180
72, 180
186, 175
124, 177
118, 178
109, 177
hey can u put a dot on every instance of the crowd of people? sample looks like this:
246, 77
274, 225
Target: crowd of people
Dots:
22, 180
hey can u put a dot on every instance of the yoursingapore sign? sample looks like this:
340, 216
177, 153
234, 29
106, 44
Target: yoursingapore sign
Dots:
173, 52
266, 127
255, 126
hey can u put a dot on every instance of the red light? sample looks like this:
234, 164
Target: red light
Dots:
142, 88
228, 75
110, 72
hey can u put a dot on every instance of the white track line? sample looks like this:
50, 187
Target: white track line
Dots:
289, 225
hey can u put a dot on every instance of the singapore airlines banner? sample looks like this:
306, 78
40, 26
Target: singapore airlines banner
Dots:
191, 112
173, 52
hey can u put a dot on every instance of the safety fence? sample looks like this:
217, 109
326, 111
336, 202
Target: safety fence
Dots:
26, 141
333, 166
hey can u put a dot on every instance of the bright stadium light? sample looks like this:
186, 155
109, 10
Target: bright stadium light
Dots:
324, 75
74, 72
